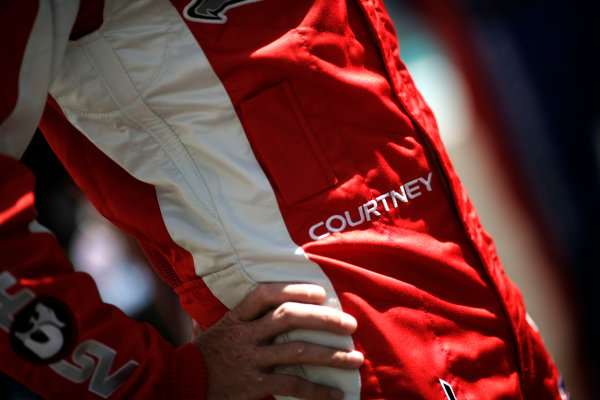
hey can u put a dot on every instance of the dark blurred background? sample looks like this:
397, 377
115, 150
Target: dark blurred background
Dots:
513, 86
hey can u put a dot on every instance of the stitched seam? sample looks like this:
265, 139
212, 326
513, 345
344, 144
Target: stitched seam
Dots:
174, 157
209, 200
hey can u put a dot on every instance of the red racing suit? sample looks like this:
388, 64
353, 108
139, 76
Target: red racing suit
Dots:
243, 142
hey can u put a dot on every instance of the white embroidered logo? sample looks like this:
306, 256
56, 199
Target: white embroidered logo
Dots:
370, 209
44, 336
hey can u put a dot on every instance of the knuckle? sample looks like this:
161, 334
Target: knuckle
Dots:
261, 291
298, 386
241, 334
242, 358
333, 316
231, 317
265, 293
284, 312
299, 348
246, 385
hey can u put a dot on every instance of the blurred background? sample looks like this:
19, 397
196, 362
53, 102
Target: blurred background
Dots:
512, 85
513, 88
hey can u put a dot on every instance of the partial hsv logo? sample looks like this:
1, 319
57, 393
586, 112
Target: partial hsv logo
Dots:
212, 11
43, 332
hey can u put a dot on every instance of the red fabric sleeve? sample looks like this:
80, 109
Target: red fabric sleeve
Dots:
57, 336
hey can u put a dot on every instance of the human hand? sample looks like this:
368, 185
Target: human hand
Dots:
240, 357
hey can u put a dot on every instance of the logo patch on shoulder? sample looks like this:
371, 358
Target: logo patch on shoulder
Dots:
43, 332
212, 11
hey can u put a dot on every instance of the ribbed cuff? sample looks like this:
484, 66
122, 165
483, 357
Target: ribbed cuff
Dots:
186, 375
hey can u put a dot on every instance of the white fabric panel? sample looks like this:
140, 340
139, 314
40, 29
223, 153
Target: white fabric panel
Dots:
42, 57
148, 97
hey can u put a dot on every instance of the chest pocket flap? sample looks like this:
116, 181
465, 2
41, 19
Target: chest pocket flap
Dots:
285, 145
